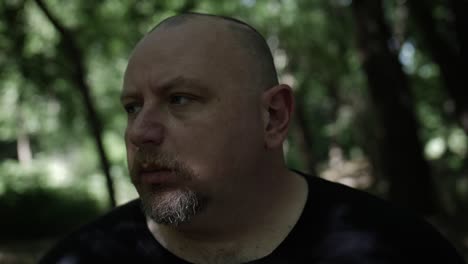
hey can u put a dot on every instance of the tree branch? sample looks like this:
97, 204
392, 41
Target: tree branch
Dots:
73, 52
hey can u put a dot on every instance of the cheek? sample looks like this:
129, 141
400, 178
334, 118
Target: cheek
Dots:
220, 139
221, 145
130, 152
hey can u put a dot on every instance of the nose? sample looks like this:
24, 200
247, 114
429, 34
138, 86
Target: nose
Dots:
146, 128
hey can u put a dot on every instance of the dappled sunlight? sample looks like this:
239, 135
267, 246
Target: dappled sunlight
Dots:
58, 175
406, 56
280, 59
354, 173
18, 178
457, 142
288, 79
435, 148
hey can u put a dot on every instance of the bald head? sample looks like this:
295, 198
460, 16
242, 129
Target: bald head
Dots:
259, 60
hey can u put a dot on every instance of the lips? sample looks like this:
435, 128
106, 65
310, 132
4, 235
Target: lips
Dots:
157, 176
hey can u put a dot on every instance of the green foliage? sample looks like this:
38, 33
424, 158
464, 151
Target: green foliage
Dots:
43, 212
33, 206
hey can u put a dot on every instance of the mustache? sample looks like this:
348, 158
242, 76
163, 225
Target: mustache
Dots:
150, 158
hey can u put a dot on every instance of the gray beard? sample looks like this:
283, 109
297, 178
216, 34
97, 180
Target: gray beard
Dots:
171, 207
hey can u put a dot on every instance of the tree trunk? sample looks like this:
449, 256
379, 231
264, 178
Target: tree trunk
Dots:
403, 164
23, 146
459, 9
13, 15
452, 59
79, 77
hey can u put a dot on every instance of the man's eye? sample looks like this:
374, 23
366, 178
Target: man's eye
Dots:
180, 99
132, 108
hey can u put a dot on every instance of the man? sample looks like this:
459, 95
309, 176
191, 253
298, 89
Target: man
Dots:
206, 123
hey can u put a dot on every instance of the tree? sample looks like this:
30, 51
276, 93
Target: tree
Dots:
447, 48
402, 161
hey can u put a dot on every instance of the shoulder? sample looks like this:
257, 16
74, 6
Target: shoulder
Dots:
352, 222
114, 234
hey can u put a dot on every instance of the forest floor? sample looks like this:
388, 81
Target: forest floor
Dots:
24, 251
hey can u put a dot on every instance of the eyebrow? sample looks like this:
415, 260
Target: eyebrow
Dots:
163, 87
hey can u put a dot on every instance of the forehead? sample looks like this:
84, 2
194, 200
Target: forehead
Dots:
195, 48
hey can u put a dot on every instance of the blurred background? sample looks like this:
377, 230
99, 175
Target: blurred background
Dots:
382, 104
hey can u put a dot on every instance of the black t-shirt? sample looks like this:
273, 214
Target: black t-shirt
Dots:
338, 225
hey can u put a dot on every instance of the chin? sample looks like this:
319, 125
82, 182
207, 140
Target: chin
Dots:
171, 206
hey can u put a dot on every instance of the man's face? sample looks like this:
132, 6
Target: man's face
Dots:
194, 135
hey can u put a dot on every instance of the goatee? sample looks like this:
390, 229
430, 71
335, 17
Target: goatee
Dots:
171, 207
170, 204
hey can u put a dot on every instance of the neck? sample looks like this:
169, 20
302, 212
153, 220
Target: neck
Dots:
253, 229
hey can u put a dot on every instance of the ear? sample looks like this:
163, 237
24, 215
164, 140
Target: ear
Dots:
278, 103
